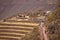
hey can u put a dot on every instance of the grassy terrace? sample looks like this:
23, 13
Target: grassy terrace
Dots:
17, 29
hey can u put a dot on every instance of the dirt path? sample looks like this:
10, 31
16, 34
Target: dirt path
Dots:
43, 34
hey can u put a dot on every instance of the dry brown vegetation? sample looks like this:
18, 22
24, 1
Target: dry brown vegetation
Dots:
53, 25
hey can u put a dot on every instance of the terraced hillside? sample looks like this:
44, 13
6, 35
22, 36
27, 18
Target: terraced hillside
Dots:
18, 28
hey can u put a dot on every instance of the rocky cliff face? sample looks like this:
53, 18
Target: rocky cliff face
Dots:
12, 7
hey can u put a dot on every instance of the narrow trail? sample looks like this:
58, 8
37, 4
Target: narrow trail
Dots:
43, 34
